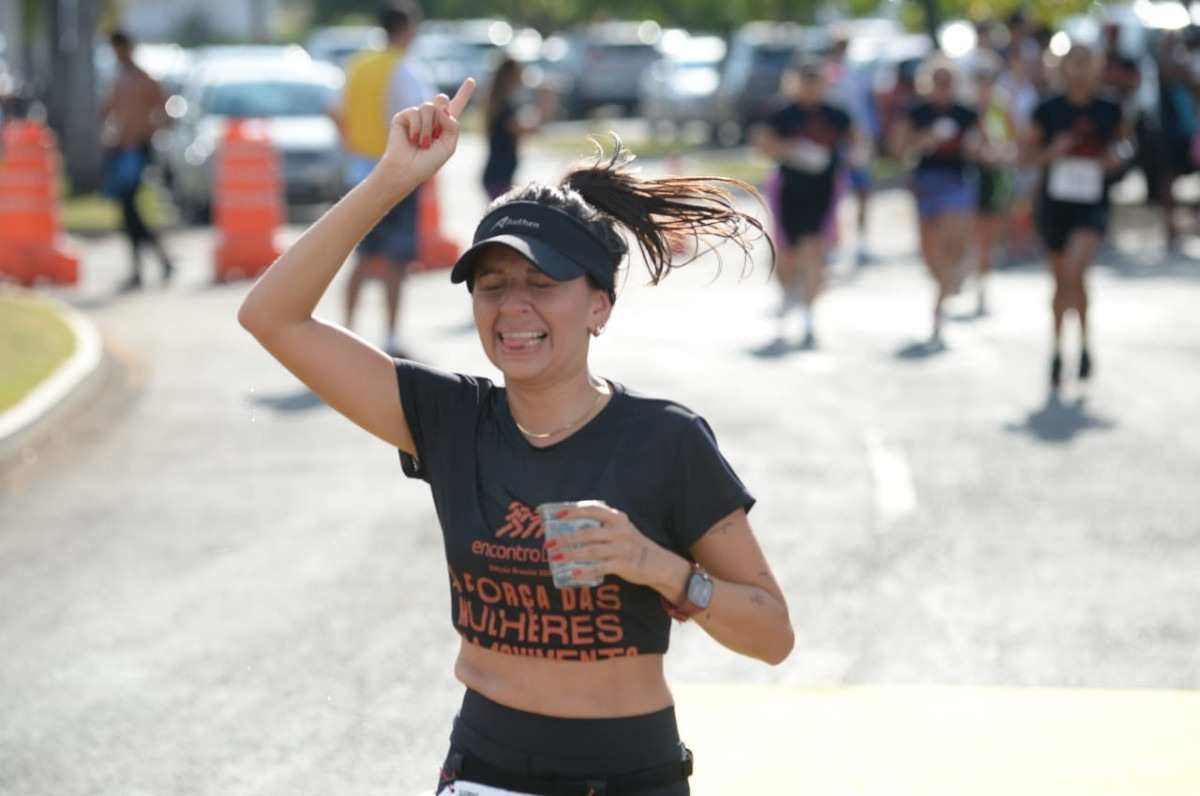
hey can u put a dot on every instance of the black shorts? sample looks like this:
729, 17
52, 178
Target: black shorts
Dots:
1057, 220
502, 739
804, 205
395, 236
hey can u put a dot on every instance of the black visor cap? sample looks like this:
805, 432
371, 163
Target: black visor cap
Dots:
557, 243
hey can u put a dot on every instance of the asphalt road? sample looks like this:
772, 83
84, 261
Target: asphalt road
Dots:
210, 583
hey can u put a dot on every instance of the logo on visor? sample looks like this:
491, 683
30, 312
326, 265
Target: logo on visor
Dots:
509, 221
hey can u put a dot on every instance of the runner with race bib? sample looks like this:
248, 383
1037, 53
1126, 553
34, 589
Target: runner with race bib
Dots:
1074, 138
805, 137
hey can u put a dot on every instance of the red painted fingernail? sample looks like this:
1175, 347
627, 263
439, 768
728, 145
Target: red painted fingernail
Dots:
557, 557
558, 515
551, 543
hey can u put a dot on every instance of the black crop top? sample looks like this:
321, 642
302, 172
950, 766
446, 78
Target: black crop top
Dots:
652, 459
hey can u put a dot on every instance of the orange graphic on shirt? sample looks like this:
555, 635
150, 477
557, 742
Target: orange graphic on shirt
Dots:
521, 522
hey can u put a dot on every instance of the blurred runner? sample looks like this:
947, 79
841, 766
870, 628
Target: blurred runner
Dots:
944, 135
1178, 88
1075, 138
133, 111
507, 124
380, 84
997, 151
851, 91
805, 137
1022, 98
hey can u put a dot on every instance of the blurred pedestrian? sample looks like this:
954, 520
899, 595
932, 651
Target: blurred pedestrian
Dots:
507, 123
565, 685
1178, 88
997, 153
850, 90
378, 85
134, 110
943, 135
1022, 98
1076, 139
805, 137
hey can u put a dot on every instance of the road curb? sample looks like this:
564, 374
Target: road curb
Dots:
19, 423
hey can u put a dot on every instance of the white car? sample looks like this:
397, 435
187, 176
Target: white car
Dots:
681, 88
293, 94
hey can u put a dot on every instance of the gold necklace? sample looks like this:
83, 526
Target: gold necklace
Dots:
567, 427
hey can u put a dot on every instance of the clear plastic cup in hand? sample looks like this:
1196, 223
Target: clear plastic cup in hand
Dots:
556, 528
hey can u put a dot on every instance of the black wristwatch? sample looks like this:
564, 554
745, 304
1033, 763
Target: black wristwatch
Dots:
697, 594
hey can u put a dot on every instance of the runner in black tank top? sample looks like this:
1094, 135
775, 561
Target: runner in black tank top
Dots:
1075, 138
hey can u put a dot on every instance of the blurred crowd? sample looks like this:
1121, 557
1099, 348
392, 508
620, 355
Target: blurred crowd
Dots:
700, 89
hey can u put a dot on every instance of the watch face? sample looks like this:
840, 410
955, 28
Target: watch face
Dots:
699, 591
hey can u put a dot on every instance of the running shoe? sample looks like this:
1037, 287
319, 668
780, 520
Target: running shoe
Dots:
1056, 371
1085, 365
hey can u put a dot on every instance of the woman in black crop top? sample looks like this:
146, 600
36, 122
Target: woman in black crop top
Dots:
565, 687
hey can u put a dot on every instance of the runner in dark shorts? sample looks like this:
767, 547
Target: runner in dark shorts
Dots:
944, 135
805, 136
1075, 137
394, 238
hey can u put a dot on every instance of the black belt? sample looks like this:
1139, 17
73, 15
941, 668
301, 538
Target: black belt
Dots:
467, 767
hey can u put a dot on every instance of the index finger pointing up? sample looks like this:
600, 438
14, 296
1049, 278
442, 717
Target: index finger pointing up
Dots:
461, 97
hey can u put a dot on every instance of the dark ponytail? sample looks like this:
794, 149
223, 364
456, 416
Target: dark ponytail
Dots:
668, 213
664, 215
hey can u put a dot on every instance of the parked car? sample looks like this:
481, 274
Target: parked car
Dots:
294, 97
337, 44
451, 51
758, 55
600, 64
682, 86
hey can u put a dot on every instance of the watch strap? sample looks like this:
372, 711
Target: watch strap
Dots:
685, 609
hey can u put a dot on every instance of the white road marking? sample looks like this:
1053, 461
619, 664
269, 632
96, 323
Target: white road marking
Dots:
895, 495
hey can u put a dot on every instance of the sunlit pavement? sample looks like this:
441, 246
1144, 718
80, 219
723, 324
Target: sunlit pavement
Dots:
942, 741
212, 584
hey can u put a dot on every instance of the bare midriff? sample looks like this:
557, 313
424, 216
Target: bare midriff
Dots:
613, 688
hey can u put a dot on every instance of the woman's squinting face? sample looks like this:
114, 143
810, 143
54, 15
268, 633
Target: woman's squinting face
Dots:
531, 326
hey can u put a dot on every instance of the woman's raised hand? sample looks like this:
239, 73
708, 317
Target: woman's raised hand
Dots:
424, 137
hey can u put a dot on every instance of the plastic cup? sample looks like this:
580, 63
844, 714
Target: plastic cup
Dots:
555, 528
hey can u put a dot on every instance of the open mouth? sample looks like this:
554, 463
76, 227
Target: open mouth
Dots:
520, 342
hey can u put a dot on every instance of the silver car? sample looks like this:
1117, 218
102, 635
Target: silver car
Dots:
681, 88
292, 93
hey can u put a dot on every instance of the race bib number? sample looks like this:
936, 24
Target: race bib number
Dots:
461, 788
1079, 180
944, 129
809, 156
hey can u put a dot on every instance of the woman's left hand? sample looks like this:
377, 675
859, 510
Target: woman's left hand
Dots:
616, 547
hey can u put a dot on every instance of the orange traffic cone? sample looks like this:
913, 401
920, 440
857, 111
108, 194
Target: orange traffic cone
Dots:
247, 202
31, 244
434, 250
